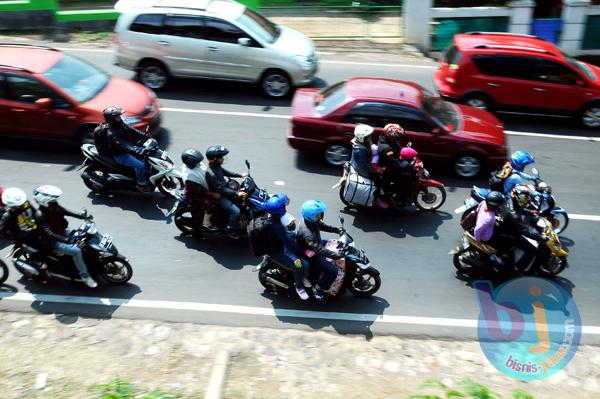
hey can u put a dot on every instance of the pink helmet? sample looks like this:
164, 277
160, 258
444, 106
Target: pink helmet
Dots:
408, 153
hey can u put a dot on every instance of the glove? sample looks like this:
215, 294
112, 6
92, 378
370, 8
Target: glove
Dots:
298, 264
139, 151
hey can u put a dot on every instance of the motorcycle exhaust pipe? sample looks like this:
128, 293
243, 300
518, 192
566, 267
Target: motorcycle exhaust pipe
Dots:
278, 283
26, 267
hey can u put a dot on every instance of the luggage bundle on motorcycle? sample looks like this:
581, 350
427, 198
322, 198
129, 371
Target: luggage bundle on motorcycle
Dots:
258, 235
359, 190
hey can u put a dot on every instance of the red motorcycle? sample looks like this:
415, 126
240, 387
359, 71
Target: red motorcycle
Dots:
357, 191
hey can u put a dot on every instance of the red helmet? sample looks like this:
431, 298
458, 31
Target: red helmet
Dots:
408, 153
393, 130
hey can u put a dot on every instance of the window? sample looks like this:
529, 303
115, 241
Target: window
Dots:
485, 64
552, 72
148, 23
330, 98
513, 67
26, 89
453, 55
3, 94
440, 111
409, 118
184, 26
80, 80
259, 25
374, 114
581, 66
220, 31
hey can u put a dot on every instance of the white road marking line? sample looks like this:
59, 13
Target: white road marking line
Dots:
251, 310
325, 52
593, 218
91, 50
279, 183
379, 64
553, 136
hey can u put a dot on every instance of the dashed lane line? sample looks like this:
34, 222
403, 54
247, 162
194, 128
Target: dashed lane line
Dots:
254, 311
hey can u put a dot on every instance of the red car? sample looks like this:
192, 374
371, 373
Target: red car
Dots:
463, 138
519, 73
47, 94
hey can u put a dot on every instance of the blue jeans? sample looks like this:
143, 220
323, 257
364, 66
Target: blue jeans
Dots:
75, 252
327, 269
130, 161
281, 258
233, 210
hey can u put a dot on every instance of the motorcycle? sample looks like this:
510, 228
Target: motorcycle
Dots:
103, 174
545, 203
251, 207
101, 256
427, 194
357, 274
550, 260
3, 272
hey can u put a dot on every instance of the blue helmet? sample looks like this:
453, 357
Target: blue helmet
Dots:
276, 204
313, 210
520, 159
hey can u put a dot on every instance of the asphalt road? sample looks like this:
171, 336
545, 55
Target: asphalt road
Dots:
410, 248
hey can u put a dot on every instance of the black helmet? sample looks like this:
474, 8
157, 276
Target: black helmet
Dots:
216, 151
494, 200
191, 158
112, 115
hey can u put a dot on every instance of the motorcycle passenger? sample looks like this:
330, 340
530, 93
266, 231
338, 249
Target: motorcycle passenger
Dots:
309, 239
361, 159
514, 170
524, 203
196, 189
283, 247
18, 219
406, 172
53, 226
389, 154
216, 182
121, 140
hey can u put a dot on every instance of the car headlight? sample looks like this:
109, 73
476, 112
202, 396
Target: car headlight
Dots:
131, 120
304, 61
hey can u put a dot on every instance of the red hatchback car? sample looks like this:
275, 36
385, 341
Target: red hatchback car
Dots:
521, 74
463, 138
47, 94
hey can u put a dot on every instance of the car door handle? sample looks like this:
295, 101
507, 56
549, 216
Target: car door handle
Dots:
493, 84
213, 49
18, 109
164, 43
538, 89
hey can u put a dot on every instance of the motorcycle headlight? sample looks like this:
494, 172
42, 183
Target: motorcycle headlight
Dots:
130, 120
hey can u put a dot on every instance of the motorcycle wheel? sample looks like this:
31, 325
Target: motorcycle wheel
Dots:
169, 185
432, 200
342, 187
183, 221
3, 272
553, 266
115, 270
559, 223
365, 284
460, 264
276, 273
94, 173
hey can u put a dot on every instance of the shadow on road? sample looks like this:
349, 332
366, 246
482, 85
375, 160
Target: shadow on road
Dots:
145, 205
314, 163
229, 253
40, 152
347, 303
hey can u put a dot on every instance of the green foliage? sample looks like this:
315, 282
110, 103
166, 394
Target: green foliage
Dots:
520, 394
121, 389
470, 388
476, 390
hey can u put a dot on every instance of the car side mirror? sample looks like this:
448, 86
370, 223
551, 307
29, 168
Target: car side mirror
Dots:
244, 41
43, 102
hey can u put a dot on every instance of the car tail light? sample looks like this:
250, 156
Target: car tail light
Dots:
115, 38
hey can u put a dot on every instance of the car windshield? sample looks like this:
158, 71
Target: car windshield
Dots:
580, 66
441, 111
259, 25
79, 79
329, 98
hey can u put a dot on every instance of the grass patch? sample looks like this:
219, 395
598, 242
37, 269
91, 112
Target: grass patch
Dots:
122, 389
469, 389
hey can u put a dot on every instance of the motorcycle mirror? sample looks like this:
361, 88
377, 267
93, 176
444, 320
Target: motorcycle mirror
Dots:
247, 164
535, 172
341, 218
409, 144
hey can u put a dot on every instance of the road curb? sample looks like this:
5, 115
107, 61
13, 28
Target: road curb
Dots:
217, 377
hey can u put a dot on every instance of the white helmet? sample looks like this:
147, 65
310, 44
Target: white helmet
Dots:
13, 197
43, 195
361, 132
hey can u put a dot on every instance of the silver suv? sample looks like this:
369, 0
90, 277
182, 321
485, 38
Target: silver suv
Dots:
214, 39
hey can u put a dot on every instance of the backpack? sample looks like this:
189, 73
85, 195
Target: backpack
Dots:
258, 235
469, 219
496, 180
100, 135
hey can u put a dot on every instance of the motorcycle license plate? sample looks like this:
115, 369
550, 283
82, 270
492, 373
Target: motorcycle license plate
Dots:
106, 241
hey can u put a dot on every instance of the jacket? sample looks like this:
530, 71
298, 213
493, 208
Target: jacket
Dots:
283, 241
309, 237
389, 152
215, 177
361, 161
120, 139
508, 223
51, 223
21, 225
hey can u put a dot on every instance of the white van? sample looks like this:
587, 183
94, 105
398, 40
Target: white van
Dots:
214, 39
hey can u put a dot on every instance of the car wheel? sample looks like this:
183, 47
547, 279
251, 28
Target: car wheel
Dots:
590, 117
276, 84
336, 154
153, 75
467, 166
478, 101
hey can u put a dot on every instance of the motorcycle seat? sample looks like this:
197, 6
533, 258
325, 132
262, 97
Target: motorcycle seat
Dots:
488, 249
29, 249
109, 161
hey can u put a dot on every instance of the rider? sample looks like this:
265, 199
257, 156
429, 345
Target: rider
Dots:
361, 158
19, 218
389, 153
309, 239
196, 189
524, 203
53, 225
121, 140
283, 247
216, 182
512, 171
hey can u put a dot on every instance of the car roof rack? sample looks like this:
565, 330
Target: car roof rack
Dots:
27, 45
504, 34
201, 5
16, 68
522, 48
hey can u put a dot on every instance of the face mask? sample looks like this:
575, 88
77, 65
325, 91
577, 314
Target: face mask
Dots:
288, 221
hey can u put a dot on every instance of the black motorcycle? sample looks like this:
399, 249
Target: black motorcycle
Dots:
251, 207
101, 256
103, 174
360, 278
